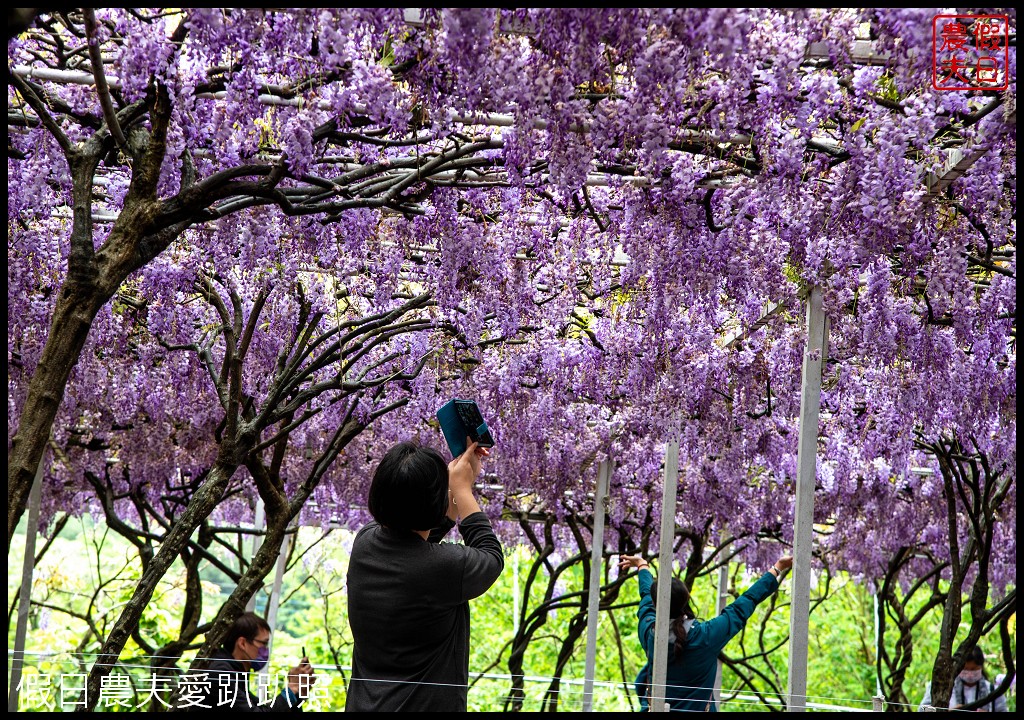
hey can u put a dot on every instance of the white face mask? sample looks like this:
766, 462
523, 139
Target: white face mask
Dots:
971, 677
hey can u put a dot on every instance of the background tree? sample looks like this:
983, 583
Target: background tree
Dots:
626, 257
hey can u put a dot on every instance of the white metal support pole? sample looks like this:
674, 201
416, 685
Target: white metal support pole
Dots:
515, 591
594, 591
803, 533
723, 600
28, 567
878, 642
666, 541
275, 593
273, 603
260, 523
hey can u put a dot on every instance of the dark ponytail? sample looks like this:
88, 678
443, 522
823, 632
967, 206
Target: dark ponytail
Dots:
679, 610
679, 630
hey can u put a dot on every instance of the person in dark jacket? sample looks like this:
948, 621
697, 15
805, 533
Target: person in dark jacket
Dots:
694, 644
409, 593
224, 684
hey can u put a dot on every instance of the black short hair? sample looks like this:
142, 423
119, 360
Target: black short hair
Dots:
679, 599
976, 656
246, 625
410, 488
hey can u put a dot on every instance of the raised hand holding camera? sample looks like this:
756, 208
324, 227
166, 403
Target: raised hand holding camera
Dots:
462, 423
462, 474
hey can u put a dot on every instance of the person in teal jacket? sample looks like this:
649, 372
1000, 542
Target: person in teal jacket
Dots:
694, 644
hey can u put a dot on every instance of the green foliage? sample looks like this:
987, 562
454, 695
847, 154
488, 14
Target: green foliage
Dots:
88, 574
79, 587
885, 87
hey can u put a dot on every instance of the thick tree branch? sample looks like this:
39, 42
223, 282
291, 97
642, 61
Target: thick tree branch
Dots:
102, 89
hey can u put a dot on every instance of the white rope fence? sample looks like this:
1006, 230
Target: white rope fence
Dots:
569, 692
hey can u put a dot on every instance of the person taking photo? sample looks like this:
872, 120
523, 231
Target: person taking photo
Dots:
409, 593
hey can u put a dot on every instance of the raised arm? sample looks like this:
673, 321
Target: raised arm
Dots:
724, 627
645, 613
462, 473
484, 559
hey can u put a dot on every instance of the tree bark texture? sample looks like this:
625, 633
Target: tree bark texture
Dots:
73, 315
202, 504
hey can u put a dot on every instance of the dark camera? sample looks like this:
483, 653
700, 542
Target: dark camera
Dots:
461, 419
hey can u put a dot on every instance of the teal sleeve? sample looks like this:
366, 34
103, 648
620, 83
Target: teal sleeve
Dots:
724, 627
645, 613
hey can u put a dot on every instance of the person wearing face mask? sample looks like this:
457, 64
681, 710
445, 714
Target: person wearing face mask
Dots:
245, 648
970, 685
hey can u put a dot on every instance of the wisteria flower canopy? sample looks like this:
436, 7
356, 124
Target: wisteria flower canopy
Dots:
263, 225
248, 249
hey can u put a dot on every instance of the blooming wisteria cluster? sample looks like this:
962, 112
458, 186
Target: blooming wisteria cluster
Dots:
601, 206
